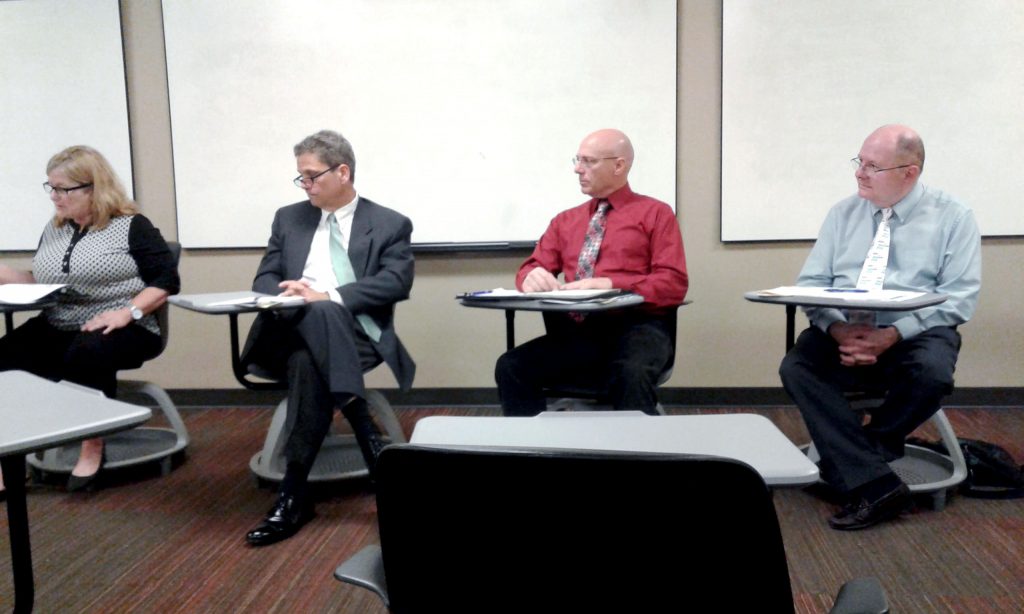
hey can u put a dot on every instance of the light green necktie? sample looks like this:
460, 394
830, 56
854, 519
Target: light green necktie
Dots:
343, 271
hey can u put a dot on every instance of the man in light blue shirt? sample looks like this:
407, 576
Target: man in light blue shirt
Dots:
934, 247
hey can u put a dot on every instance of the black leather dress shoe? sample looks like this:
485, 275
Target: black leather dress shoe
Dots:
864, 514
283, 520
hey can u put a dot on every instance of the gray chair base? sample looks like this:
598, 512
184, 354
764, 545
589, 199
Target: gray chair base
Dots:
925, 471
586, 399
339, 457
142, 445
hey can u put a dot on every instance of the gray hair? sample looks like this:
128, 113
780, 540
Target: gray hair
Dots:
332, 149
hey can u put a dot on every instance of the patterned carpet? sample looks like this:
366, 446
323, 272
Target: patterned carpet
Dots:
175, 544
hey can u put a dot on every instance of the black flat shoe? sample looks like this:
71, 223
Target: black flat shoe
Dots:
88, 483
864, 514
288, 515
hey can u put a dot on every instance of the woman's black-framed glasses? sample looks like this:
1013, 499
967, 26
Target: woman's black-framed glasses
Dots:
49, 189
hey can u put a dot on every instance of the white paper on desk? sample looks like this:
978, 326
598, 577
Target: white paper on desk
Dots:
560, 295
25, 294
575, 295
275, 301
241, 300
496, 293
870, 295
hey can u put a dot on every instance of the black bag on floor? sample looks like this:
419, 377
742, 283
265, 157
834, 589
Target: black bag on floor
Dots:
991, 471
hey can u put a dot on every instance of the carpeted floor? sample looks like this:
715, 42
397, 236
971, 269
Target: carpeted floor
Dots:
175, 544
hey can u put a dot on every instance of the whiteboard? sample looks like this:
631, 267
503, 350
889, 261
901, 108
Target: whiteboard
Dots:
804, 82
63, 84
463, 114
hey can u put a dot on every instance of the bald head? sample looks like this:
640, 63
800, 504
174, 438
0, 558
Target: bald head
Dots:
904, 143
891, 159
605, 158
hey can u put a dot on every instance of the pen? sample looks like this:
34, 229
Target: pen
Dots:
844, 290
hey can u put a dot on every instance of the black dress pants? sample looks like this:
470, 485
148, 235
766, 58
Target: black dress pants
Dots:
322, 351
914, 374
90, 359
626, 351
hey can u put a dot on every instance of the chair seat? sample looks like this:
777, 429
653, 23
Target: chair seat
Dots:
339, 457
924, 471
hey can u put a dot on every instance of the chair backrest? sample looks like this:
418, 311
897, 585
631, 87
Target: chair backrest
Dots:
501, 530
163, 312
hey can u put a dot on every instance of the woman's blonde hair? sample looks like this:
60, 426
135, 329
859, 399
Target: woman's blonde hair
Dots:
83, 164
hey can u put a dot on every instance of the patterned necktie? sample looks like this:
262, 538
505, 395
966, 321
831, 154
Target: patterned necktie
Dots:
592, 242
872, 275
346, 275
591, 246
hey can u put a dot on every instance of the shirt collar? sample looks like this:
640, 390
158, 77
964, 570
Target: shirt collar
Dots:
906, 205
343, 212
617, 199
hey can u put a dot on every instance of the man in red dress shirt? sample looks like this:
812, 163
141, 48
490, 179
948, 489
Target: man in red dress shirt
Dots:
628, 241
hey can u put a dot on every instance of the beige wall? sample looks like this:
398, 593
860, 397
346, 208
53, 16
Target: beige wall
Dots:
724, 341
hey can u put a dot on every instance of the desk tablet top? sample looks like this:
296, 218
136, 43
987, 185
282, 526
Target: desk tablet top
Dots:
519, 304
750, 438
925, 300
212, 302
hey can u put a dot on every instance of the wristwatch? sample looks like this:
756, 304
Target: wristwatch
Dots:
136, 312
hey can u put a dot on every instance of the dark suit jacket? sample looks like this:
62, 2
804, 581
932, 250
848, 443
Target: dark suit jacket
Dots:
381, 255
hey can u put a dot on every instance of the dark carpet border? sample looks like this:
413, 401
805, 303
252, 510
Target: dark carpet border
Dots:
693, 397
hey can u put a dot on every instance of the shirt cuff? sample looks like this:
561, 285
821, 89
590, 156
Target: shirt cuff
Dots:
825, 317
908, 327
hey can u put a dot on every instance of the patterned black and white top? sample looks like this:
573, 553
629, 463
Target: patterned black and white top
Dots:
105, 269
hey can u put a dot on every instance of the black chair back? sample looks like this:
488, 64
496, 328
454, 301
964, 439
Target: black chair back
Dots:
163, 312
488, 530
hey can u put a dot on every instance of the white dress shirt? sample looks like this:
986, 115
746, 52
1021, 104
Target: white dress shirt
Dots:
319, 271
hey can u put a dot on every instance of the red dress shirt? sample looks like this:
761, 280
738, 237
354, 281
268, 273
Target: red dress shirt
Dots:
642, 250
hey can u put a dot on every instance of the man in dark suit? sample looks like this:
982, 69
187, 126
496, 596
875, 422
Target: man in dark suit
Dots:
351, 260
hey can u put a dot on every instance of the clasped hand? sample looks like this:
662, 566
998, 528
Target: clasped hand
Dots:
860, 344
301, 288
541, 280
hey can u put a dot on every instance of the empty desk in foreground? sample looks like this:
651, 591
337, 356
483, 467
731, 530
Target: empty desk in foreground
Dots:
37, 414
749, 438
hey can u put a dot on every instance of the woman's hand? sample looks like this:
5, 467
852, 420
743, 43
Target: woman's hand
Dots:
108, 321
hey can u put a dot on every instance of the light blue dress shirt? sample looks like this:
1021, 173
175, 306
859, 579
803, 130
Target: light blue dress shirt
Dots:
935, 246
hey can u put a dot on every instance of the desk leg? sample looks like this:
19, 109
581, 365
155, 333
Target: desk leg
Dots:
236, 360
790, 327
510, 329
9, 321
17, 521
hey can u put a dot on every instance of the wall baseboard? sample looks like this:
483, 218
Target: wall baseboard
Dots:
685, 397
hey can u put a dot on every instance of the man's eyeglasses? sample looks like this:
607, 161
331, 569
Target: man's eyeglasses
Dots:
587, 162
307, 182
61, 192
871, 169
